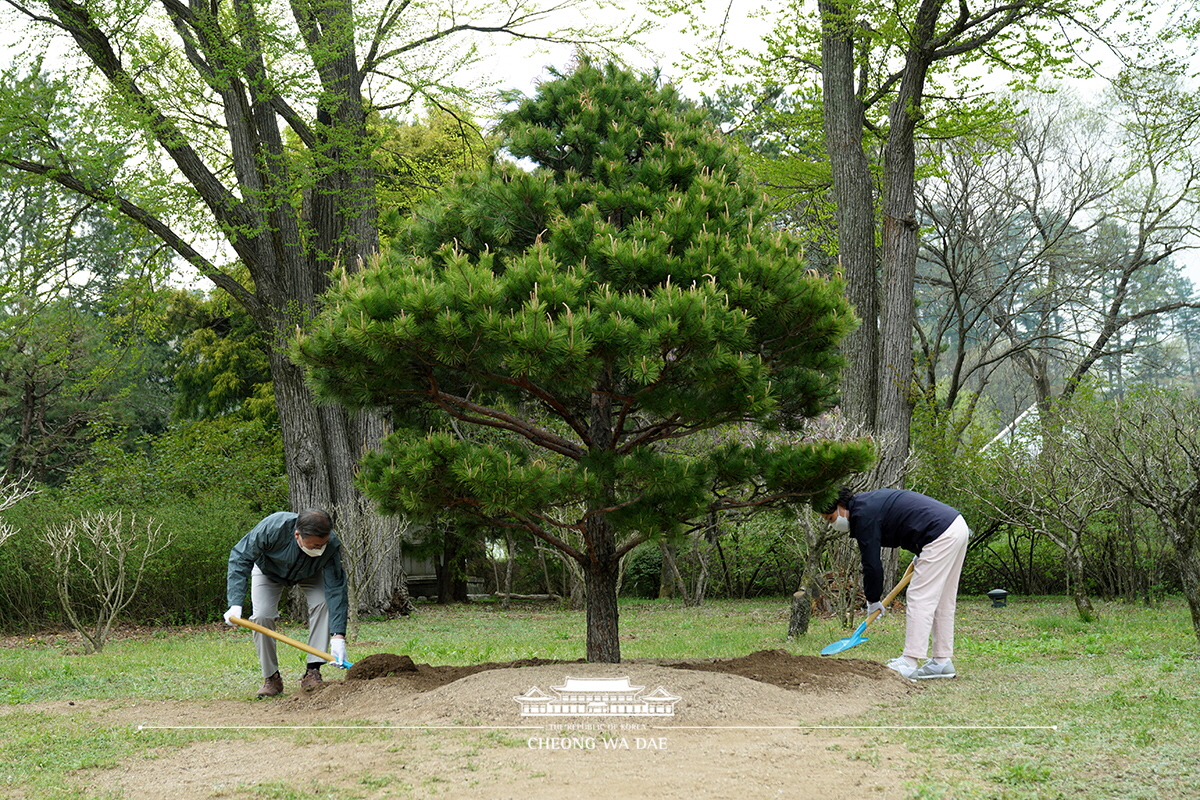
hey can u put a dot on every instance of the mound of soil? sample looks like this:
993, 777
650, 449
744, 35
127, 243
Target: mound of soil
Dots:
753, 726
776, 667
769, 687
381, 665
423, 676
781, 668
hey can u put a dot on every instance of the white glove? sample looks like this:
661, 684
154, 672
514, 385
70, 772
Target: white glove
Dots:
873, 607
234, 611
337, 649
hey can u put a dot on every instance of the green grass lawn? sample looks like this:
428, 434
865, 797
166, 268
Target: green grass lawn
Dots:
1123, 692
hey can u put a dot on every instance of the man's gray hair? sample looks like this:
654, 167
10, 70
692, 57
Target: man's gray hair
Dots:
314, 522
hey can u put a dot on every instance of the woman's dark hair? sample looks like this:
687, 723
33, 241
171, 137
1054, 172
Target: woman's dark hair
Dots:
844, 496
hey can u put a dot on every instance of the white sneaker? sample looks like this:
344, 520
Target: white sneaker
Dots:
902, 666
932, 670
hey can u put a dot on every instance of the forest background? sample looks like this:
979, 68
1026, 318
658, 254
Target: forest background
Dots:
1051, 330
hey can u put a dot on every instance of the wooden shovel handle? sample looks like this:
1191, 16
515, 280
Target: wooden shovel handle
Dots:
892, 595
254, 626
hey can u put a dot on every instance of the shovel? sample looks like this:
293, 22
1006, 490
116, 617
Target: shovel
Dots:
857, 637
254, 626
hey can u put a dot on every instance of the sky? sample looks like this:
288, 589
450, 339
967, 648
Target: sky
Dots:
521, 68
667, 44
662, 48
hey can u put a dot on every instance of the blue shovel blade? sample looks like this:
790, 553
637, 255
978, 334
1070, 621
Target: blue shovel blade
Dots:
850, 641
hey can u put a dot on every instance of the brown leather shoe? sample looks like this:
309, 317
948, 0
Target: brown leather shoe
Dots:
311, 679
271, 686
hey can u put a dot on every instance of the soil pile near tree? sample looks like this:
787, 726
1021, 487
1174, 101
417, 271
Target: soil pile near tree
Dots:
752, 726
769, 687
777, 667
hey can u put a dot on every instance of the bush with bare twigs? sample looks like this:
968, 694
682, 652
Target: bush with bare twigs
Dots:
99, 561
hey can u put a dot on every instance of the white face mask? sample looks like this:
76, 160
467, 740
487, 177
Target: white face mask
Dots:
841, 524
308, 551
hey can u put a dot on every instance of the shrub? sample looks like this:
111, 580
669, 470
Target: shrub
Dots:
206, 483
643, 572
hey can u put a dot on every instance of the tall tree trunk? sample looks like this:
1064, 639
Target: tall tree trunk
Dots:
323, 444
899, 255
870, 399
854, 209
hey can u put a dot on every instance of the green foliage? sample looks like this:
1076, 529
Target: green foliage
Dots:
756, 556
186, 583
227, 457
741, 556
643, 572
80, 326
634, 264
221, 364
1124, 549
415, 160
26, 571
780, 130
950, 459
411, 160
206, 483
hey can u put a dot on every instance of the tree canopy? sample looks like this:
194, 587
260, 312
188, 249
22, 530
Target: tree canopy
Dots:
181, 113
585, 305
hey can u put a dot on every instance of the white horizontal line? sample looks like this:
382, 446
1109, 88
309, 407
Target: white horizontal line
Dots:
338, 727
859, 727
651, 727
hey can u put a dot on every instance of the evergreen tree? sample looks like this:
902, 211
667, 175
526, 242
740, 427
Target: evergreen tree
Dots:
220, 365
578, 321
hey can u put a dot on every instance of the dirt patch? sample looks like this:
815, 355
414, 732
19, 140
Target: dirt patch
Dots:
423, 676
738, 728
801, 673
776, 667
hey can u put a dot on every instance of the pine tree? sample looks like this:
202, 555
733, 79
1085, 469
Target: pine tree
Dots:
582, 310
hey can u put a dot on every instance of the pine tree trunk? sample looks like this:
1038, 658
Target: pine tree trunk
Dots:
600, 582
601, 563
